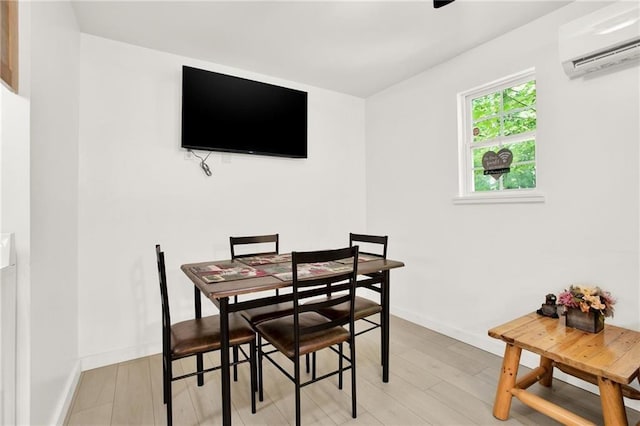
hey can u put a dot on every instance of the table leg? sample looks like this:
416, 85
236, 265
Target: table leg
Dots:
547, 364
612, 403
224, 361
385, 326
510, 363
197, 303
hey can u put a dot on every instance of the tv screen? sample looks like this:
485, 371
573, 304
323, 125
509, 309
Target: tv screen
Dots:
226, 113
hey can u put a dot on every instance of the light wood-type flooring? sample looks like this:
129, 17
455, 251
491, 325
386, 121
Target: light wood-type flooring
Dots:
434, 380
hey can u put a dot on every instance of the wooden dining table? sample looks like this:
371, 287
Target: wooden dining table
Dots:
221, 280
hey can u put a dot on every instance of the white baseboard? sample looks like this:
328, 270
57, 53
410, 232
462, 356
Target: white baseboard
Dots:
497, 348
69, 390
120, 355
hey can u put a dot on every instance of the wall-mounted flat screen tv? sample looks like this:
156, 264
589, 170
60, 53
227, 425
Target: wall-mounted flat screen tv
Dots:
225, 113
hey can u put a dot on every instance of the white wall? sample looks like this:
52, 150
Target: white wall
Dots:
38, 146
471, 267
137, 189
14, 217
55, 367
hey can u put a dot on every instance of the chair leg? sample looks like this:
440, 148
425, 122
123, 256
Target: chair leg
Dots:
352, 347
340, 365
200, 367
168, 395
313, 375
164, 379
254, 371
381, 340
235, 363
306, 359
260, 378
252, 363
296, 363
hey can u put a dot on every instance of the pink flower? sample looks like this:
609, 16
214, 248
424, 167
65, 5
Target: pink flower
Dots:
566, 298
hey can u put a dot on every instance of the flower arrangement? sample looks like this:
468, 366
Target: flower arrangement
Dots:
587, 299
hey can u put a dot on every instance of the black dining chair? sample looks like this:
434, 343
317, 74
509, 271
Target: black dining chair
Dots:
364, 308
255, 316
306, 331
198, 336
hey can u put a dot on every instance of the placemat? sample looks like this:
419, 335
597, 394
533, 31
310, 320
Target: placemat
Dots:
266, 259
225, 271
306, 270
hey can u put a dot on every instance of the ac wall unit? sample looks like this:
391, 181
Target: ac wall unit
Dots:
607, 37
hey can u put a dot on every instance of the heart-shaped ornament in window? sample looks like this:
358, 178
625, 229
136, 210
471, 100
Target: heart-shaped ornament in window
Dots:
497, 163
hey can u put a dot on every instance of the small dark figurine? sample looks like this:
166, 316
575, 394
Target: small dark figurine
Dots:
549, 307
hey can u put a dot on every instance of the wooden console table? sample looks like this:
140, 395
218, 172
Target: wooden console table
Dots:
609, 359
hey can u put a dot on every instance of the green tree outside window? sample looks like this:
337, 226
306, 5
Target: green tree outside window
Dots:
505, 118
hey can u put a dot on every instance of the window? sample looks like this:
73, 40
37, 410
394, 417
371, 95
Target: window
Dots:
498, 139
9, 43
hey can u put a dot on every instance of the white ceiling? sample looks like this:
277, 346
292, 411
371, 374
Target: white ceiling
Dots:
355, 47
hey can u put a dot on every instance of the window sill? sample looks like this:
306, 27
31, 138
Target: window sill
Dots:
501, 198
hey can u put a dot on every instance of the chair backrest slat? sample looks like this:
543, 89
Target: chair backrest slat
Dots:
326, 280
325, 303
256, 239
371, 239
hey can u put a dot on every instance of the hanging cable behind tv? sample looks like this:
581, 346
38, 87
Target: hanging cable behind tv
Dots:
203, 162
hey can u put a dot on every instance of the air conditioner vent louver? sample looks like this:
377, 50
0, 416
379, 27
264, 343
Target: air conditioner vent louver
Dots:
630, 50
600, 40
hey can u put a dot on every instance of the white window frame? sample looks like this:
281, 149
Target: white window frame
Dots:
466, 195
